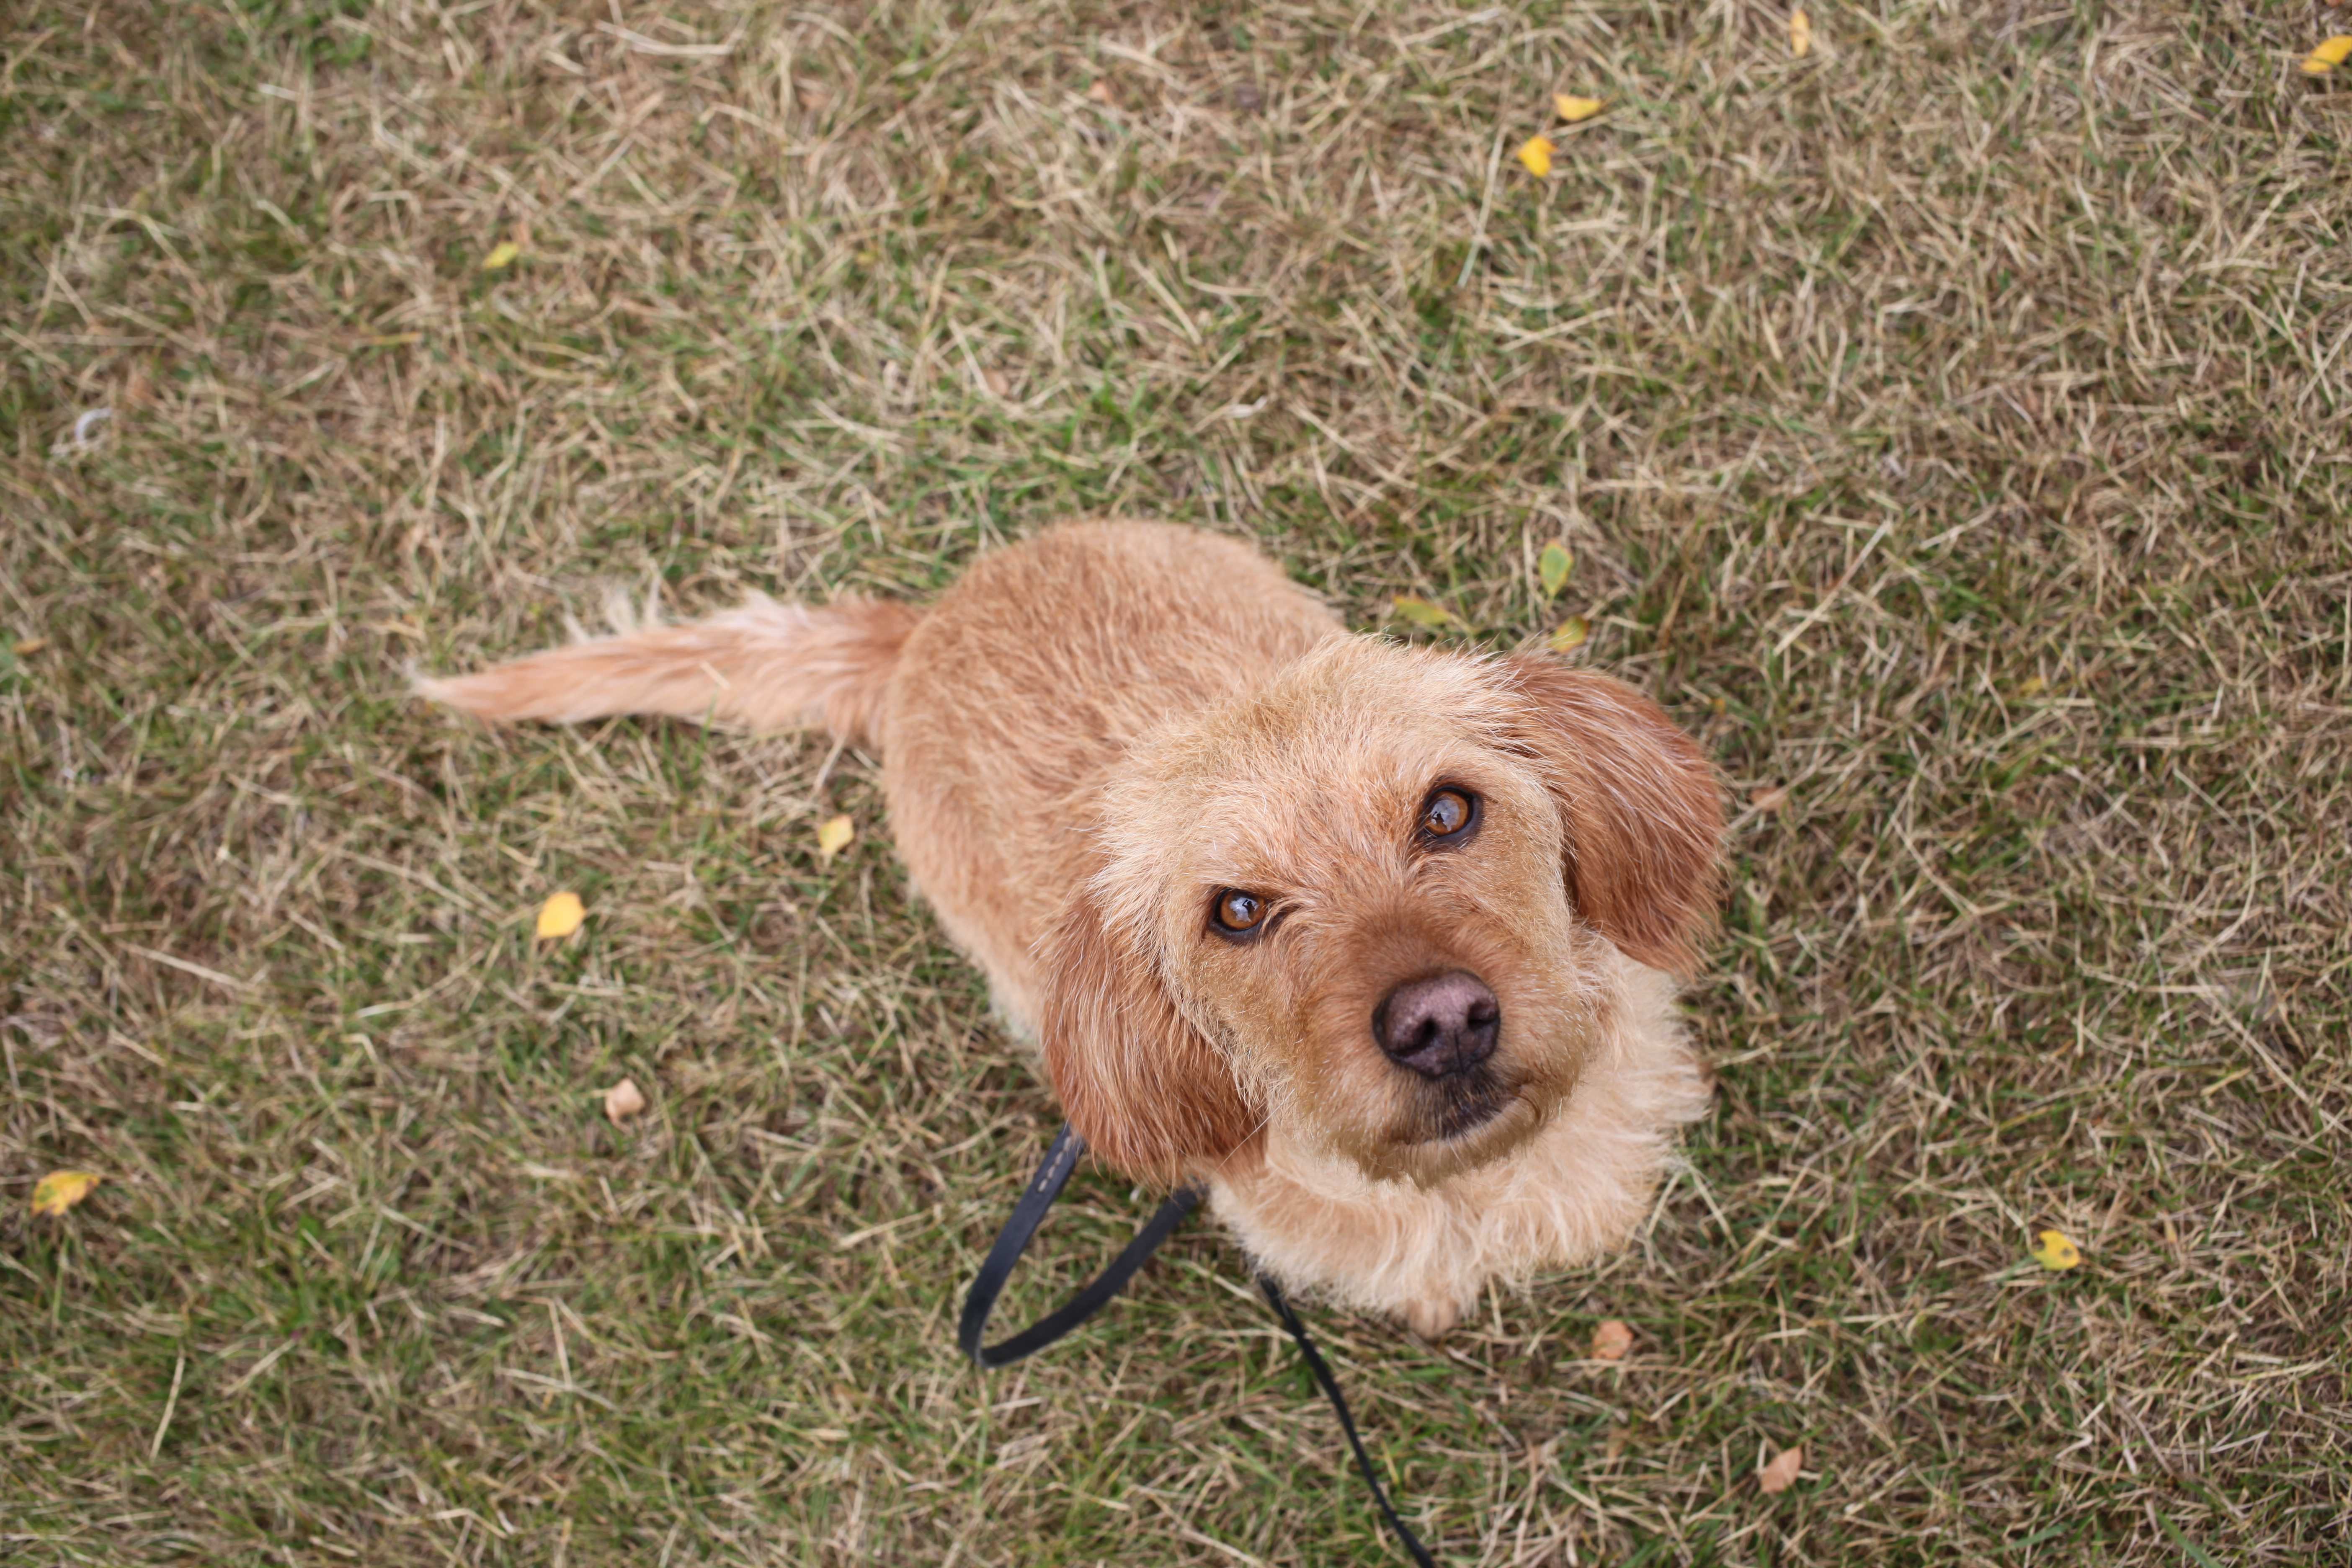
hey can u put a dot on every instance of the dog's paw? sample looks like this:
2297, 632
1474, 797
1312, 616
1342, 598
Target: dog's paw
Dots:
1433, 1318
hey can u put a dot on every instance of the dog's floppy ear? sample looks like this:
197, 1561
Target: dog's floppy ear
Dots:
1148, 1094
1643, 811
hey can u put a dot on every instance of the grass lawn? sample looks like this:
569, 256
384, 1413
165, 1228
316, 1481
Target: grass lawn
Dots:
1953, 428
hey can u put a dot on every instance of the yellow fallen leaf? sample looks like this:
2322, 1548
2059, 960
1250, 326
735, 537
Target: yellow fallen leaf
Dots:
2033, 686
1801, 33
26, 648
1553, 567
2053, 1251
1421, 612
622, 1100
1782, 1473
1611, 1339
502, 254
1572, 109
1569, 634
60, 1190
2328, 56
833, 836
1536, 153
561, 915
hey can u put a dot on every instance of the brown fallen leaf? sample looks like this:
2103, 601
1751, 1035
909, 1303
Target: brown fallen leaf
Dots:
26, 648
1611, 1339
60, 1190
1782, 1473
1100, 91
622, 1100
559, 916
1772, 798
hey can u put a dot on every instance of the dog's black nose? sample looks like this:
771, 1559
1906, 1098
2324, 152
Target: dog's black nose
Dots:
1441, 1026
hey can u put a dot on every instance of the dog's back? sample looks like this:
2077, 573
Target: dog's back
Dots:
997, 710
1024, 683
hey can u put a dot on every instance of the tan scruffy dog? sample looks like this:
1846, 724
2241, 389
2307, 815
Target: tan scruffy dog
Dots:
1376, 941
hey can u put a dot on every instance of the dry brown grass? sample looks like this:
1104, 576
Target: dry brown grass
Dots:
1951, 427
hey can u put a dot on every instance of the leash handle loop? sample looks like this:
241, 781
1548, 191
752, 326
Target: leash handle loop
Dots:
1047, 1185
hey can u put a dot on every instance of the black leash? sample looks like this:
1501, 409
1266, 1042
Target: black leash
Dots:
1322, 1370
1061, 1159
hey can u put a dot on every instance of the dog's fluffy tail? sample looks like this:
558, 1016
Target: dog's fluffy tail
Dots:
767, 665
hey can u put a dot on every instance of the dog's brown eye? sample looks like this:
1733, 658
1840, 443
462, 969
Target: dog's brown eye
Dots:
1238, 913
1446, 814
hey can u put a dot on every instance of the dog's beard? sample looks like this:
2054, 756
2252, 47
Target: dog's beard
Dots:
1449, 1108
1453, 1125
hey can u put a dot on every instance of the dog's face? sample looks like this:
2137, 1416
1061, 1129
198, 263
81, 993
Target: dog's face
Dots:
1370, 909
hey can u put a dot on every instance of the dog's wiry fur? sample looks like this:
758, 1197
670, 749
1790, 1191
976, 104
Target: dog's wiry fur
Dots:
767, 665
1095, 732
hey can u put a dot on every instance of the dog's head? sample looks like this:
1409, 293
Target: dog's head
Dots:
1370, 909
